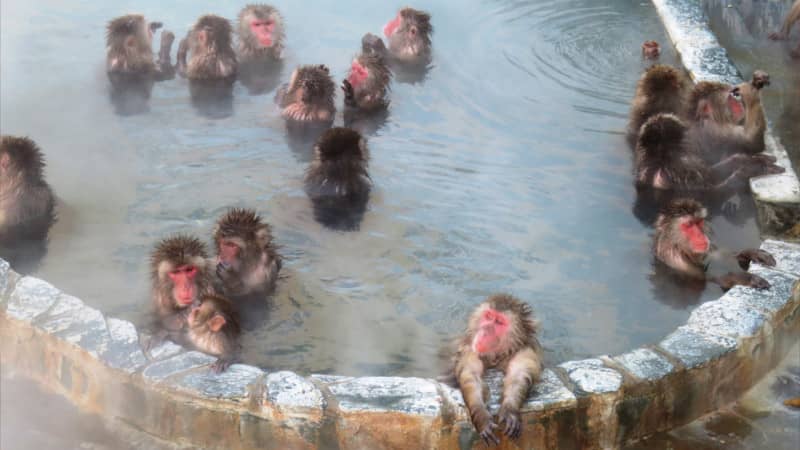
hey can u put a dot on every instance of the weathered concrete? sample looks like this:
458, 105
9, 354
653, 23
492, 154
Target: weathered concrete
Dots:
171, 394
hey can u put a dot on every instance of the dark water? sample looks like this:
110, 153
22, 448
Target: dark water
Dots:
505, 169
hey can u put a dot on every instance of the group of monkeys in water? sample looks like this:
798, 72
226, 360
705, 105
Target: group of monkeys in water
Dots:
693, 145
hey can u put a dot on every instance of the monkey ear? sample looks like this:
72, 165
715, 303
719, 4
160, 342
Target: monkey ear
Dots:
5, 160
413, 31
216, 323
130, 41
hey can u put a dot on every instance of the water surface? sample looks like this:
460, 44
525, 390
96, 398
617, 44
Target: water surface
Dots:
504, 169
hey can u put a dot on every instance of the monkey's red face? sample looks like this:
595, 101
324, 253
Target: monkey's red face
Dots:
358, 74
650, 49
736, 105
692, 229
492, 332
262, 30
390, 28
184, 288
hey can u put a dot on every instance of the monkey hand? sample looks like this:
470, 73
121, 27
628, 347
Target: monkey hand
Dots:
745, 257
485, 427
509, 418
778, 36
221, 364
730, 280
167, 38
760, 79
155, 25
349, 94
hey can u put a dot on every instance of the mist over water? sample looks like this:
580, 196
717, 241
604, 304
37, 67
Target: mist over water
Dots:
504, 169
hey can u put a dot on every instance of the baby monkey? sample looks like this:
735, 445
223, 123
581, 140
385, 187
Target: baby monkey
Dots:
213, 328
501, 334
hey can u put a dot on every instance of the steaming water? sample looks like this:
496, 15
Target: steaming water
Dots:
505, 169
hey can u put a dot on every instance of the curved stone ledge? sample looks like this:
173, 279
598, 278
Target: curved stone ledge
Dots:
604, 402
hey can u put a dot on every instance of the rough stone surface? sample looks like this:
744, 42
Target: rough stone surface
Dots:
180, 363
164, 350
767, 300
232, 384
787, 256
7, 280
645, 364
592, 377
549, 392
693, 348
330, 379
289, 390
388, 394
77, 324
31, 297
124, 351
732, 317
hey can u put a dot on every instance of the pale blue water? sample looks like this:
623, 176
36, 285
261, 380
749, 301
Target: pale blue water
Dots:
505, 169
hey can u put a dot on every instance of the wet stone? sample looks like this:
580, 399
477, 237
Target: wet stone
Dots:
787, 256
330, 379
768, 300
124, 351
289, 390
83, 326
548, 393
164, 350
7, 280
232, 384
592, 377
388, 394
31, 297
180, 363
645, 364
732, 317
693, 348
782, 188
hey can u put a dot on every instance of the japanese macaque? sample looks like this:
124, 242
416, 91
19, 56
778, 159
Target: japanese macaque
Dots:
129, 61
27, 204
209, 50
501, 334
247, 258
180, 276
681, 242
661, 89
409, 36
260, 33
726, 119
650, 50
213, 328
260, 48
664, 160
788, 23
337, 181
367, 83
308, 97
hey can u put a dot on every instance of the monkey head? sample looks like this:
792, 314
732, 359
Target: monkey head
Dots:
213, 32
20, 157
650, 50
501, 324
312, 84
261, 26
211, 314
130, 32
409, 33
684, 221
178, 269
240, 236
719, 102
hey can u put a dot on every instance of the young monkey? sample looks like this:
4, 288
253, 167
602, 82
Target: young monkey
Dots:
213, 328
501, 334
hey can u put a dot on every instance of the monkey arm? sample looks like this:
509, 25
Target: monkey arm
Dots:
469, 373
164, 68
788, 23
183, 49
522, 371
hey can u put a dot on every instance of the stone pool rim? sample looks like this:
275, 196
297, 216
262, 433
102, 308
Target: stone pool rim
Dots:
724, 348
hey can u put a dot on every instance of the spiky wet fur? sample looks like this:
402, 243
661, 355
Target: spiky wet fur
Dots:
122, 58
669, 244
248, 47
412, 49
169, 254
222, 342
217, 60
339, 168
661, 89
662, 160
309, 95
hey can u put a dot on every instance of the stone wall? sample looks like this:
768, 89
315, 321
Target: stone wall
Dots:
603, 402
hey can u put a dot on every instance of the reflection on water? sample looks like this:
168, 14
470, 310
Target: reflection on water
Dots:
504, 169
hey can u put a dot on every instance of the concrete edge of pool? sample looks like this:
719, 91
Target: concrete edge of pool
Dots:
724, 348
